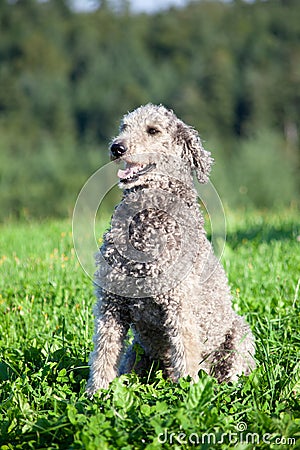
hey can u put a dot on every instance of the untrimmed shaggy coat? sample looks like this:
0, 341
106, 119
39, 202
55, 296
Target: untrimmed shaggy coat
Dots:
156, 272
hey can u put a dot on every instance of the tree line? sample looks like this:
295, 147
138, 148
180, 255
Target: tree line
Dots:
231, 69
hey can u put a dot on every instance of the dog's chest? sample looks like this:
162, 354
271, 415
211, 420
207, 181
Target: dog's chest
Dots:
152, 232
143, 245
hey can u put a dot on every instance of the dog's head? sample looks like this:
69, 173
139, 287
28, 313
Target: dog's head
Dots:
152, 140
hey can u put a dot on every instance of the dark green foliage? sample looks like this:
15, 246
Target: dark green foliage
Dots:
45, 337
259, 175
231, 69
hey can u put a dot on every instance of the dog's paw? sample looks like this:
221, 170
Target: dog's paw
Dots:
92, 387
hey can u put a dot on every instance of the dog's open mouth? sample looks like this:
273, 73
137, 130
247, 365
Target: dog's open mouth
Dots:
133, 171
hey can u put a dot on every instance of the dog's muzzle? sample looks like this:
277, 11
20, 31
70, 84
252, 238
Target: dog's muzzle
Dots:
133, 171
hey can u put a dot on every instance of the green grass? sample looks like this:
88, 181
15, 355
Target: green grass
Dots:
46, 327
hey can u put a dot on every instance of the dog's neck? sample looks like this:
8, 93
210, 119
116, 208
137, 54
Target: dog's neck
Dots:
182, 190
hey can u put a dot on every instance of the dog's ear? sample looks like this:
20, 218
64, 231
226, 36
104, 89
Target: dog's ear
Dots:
200, 159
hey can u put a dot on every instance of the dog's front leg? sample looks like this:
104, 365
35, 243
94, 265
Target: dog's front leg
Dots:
110, 333
175, 357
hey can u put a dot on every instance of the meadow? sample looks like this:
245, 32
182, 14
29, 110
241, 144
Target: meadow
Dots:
46, 326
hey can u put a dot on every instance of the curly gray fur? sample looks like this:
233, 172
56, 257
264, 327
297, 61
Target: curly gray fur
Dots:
156, 272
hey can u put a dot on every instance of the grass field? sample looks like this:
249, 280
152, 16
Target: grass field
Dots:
46, 327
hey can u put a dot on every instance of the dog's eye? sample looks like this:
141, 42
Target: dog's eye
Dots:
123, 127
152, 130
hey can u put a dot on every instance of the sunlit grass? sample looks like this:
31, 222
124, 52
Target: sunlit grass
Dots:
46, 326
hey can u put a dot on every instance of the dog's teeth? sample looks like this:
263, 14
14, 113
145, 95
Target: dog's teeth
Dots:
129, 172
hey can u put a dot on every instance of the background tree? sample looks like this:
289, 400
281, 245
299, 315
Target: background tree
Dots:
231, 69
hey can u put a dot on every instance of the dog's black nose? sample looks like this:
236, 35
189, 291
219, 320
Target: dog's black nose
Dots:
117, 149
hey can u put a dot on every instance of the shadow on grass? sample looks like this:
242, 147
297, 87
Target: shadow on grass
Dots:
264, 233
